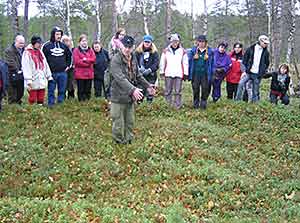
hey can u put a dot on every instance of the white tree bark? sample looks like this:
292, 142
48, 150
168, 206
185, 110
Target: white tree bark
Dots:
114, 17
68, 25
168, 19
205, 19
292, 29
98, 18
146, 26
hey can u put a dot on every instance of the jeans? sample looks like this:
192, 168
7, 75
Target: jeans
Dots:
255, 84
98, 86
59, 79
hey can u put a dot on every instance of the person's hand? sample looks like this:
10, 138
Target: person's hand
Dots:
29, 86
151, 90
243, 75
142, 69
50, 78
147, 72
137, 94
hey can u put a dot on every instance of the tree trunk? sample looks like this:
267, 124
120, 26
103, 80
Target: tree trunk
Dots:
14, 17
26, 6
292, 29
249, 19
168, 19
145, 17
192, 19
114, 17
98, 18
205, 19
68, 25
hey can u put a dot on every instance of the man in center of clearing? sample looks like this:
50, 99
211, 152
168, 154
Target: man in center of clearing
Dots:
124, 93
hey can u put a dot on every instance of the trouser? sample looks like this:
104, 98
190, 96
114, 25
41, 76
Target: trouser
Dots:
70, 85
59, 79
284, 98
176, 85
1, 96
254, 85
197, 83
15, 91
98, 87
216, 94
84, 88
36, 96
231, 90
122, 122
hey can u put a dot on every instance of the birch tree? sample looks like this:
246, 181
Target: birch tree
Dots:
26, 7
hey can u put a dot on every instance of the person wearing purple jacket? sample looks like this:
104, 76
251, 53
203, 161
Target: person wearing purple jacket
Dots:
222, 64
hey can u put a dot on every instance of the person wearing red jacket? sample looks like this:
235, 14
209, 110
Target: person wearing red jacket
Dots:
84, 59
236, 71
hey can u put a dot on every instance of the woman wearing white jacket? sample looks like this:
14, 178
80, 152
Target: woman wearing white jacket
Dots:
174, 67
36, 71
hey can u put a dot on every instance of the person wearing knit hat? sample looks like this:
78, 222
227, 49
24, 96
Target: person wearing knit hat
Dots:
174, 68
200, 71
148, 61
36, 71
222, 64
256, 61
125, 91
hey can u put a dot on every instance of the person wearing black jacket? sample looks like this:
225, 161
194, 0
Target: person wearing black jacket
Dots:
13, 58
279, 84
148, 62
3, 80
100, 67
59, 58
256, 61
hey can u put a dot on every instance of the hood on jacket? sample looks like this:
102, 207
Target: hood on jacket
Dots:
54, 30
140, 49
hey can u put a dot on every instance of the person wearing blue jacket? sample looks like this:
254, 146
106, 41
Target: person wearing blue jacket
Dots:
3, 80
222, 64
200, 71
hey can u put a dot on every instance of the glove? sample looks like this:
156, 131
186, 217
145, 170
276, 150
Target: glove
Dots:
147, 72
142, 69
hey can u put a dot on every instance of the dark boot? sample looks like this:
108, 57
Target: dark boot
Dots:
203, 104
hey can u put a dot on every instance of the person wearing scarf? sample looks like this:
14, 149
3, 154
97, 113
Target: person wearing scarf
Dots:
222, 64
84, 59
237, 68
36, 71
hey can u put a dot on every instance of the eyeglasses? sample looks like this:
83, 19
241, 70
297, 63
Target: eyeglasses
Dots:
147, 42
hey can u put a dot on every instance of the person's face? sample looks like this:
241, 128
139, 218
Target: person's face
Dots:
121, 35
68, 42
263, 44
84, 43
97, 47
57, 36
175, 44
222, 49
37, 46
20, 42
201, 44
283, 70
237, 49
127, 50
147, 44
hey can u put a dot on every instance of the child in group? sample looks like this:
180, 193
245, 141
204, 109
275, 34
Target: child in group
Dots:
36, 71
3, 80
279, 84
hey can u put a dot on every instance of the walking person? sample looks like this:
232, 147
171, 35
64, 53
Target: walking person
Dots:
148, 62
222, 64
200, 71
124, 92
100, 67
84, 59
13, 58
174, 68
236, 71
256, 61
36, 71
59, 58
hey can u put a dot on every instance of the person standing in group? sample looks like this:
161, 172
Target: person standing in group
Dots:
237, 68
279, 84
256, 61
59, 58
222, 64
124, 91
70, 72
174, 68
200, 71
13, 58
148, 62
84, 59
36, 71
3, 80
100, 67
116, 42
